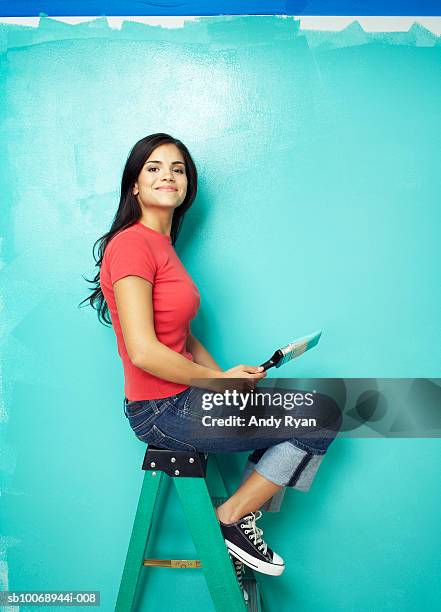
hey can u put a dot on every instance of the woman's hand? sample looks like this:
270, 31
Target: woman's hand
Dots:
248, 375
245, 371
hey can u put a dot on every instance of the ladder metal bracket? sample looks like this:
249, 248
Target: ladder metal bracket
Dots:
175, 463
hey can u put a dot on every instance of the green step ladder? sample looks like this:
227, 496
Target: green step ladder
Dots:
200, 487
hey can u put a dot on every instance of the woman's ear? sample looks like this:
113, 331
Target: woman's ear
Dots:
135, 189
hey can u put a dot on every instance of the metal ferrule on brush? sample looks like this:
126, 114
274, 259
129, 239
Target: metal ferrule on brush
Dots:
292, 350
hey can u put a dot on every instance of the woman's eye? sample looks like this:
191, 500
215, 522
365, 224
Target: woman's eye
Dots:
153, 169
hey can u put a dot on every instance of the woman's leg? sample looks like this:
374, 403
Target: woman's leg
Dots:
249, 497
177, 423
289, 463
237, 517
274, 464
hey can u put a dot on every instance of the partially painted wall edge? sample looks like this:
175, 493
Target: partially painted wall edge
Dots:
26, 8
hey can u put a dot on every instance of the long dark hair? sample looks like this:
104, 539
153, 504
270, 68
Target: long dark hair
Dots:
129, 211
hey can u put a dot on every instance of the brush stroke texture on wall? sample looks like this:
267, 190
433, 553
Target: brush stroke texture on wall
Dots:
319, 160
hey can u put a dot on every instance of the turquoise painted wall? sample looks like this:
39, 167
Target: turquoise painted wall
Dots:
319, 157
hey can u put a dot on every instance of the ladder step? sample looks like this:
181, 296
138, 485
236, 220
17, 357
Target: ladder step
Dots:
174, 563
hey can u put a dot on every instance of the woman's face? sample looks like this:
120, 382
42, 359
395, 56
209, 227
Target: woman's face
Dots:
162, 181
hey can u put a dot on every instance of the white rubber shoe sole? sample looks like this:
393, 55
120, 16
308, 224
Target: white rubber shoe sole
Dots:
272, 569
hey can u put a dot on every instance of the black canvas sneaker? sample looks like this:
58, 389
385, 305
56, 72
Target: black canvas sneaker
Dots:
244, 542
239, 569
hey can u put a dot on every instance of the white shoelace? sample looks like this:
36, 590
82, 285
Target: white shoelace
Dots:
248, 524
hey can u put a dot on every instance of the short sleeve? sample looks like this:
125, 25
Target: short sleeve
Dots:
130, 254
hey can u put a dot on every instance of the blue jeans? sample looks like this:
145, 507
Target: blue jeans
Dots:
176, 423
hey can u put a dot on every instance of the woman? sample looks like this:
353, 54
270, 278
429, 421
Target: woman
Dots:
151, 299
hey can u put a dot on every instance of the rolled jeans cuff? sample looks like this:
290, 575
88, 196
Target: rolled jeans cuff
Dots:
288, 465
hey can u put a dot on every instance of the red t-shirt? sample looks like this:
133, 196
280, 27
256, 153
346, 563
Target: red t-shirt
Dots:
141, 251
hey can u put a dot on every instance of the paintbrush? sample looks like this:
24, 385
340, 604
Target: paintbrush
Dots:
292, 350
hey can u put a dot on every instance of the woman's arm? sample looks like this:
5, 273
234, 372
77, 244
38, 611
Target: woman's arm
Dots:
200, 354
133, 296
